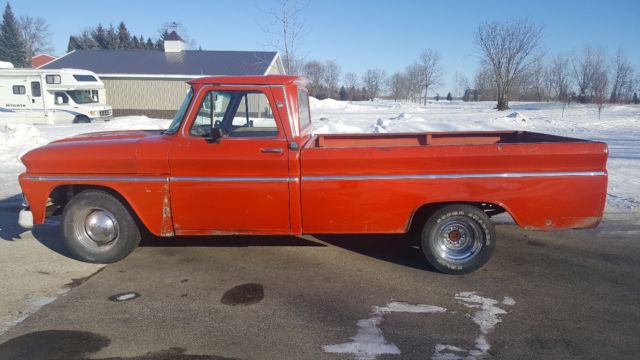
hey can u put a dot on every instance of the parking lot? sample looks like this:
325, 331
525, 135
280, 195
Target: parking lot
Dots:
571, 294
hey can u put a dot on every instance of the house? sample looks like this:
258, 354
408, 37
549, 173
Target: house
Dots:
41, 59
153, 82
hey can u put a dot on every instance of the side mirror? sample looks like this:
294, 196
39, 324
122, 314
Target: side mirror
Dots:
216, 135
59, 100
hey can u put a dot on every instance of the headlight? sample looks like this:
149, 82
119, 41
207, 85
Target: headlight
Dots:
93, 113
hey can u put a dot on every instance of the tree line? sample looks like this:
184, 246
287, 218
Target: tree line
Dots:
111, 38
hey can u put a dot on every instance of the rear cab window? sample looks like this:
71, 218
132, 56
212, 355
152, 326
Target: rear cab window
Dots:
303, 109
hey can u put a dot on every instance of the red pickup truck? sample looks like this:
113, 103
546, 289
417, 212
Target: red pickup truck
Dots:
240, 157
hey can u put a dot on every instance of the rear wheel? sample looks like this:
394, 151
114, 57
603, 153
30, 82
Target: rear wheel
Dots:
98, 228
458, 239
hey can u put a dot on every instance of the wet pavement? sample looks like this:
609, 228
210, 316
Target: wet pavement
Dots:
571, 294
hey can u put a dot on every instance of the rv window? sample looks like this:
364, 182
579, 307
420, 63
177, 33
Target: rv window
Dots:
95, 96
61, 96
35, 89
53, 79
85, 78
19, 89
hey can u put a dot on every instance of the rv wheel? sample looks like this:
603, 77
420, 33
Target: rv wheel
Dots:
81, 119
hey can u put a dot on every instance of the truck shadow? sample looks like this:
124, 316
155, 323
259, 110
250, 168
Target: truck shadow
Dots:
400, 249
9, 209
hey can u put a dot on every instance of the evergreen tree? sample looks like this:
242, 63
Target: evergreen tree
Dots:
635, 98
135, 43
124, 38
343, 94
99, 35
12, 46
149, 44
73, 43
437, 97
112, 39
449, 97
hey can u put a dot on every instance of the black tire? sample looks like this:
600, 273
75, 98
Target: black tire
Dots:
98, 228
81, 119
458, 239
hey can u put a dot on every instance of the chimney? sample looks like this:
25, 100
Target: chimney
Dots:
173, 43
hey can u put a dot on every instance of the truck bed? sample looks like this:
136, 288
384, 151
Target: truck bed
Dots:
544, 181
435, 139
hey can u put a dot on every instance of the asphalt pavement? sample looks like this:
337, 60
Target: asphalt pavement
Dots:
561, 295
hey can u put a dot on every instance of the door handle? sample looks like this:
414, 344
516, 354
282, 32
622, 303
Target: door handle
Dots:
271, 150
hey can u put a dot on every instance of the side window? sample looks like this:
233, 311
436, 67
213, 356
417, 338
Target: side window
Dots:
35, 89
95, 96
253, 116
61, 98
303, 108
212, 109
19, 90
52, 79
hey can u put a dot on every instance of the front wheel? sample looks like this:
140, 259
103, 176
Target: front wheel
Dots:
458, 239
98, 228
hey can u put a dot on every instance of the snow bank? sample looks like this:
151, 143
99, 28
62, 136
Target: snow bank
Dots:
15, 140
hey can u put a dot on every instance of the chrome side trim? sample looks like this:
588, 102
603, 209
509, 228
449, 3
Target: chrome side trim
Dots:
97, 178
157, 179
231, 179
451, 176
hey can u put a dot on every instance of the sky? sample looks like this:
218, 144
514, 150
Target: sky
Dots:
359, 34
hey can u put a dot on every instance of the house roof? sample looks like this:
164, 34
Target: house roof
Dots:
41, 59
188, 63
173, 36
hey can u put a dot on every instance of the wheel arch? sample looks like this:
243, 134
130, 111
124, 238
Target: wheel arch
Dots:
420, 215
60, 195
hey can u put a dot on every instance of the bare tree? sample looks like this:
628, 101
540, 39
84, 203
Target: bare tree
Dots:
413, 74
432, 72
560, 77
463, 84
599, 84
373, 81
398, 86
485, 84
315, 72
351, 82
507, 49
584, 70
331, 78
289, 32
622, 78
36, 34
537, 76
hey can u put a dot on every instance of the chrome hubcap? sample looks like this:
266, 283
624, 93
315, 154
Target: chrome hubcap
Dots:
101, 226
458, 240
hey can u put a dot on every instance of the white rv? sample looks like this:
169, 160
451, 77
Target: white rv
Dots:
35, 96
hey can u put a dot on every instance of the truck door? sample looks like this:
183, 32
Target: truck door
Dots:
237, 183
36, 113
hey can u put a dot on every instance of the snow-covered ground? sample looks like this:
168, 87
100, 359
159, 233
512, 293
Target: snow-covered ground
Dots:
619, 127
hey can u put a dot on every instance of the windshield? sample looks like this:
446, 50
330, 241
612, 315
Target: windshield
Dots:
82, 96
177, 120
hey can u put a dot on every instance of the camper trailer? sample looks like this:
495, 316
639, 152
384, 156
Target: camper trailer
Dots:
35, 96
